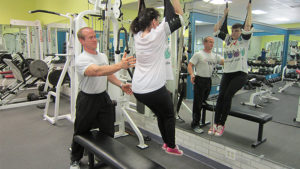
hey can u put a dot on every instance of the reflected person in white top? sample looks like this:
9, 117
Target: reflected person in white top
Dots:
235, 67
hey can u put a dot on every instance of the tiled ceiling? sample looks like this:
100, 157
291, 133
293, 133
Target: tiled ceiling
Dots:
277, 11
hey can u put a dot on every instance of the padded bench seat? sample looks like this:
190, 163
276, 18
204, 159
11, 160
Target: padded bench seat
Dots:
243, 113
113, 153
250, 115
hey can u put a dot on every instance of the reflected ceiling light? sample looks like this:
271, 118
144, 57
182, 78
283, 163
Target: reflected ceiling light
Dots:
198, 22
282, 19
218, 2
258, 12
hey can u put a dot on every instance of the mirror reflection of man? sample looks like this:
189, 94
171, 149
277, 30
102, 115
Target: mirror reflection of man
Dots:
204, 62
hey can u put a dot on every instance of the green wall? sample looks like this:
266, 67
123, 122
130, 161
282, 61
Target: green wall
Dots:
294, 25
266, 39
60, 6
16, 9
72, 6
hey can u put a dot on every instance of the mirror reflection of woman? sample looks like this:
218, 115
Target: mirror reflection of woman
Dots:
235, 67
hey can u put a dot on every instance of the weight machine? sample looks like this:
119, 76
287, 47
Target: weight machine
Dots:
27, 74
290, 78
263, 90
67, 67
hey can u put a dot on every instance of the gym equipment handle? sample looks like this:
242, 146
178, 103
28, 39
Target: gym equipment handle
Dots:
45, 11
126, 41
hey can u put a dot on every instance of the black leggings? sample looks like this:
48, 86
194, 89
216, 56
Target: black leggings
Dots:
160, 102
92, 111
201, 92
230, 84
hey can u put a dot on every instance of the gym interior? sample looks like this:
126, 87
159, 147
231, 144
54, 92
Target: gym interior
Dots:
39, 85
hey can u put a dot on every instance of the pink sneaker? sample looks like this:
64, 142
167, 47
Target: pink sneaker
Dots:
220, 130
164, 147
174, 151
212, 130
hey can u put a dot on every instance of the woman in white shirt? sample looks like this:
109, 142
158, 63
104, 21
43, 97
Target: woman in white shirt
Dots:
149, 79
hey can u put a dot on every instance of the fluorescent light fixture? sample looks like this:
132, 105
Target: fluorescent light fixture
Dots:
219, 2
198, 22
282, 19
258, 12
160, 7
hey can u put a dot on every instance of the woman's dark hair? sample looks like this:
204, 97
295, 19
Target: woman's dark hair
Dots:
143, 20
237, 25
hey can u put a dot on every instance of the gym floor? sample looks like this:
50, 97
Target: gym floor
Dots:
27, 141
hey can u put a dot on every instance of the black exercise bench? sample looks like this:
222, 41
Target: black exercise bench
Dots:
255, 116
111, 152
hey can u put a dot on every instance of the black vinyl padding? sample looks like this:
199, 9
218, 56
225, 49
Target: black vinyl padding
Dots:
246, 114
250, 115
114, 153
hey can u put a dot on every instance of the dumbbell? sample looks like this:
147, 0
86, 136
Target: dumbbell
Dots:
32, 97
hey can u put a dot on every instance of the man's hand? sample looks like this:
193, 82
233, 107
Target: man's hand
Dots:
193, 79
127, 62
127, 89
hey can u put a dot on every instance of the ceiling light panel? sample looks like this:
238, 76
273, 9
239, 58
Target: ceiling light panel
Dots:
258, 12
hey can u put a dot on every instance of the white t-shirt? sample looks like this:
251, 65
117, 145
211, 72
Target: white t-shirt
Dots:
236, 54
90, 84
150, 68
205, 63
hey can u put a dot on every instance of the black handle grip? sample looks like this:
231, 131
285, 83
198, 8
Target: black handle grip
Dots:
126, 41
142, 6
45, 11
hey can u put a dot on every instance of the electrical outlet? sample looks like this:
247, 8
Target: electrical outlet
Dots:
230, 153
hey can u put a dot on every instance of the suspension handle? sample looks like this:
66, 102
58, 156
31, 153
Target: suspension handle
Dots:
45, 11
126, 41
142, 6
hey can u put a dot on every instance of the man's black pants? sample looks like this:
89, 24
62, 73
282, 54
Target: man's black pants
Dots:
202, 88
92, 111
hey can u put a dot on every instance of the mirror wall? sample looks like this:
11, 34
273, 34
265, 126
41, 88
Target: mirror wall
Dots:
239, 133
